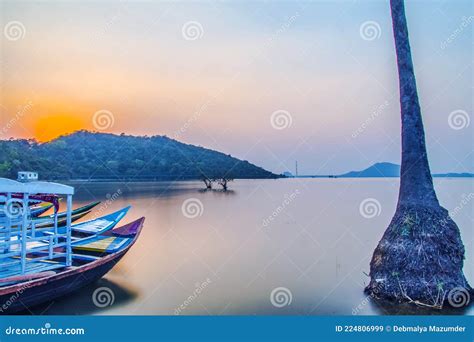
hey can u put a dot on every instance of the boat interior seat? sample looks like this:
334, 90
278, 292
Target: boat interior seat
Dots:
32, 266
102, 244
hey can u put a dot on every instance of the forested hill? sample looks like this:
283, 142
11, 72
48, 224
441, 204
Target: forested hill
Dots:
87, 155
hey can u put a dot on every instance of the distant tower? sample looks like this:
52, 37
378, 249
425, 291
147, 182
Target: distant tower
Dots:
296, 168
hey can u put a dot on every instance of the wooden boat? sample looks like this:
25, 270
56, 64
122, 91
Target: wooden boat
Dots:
40, 209
94, 226
87, 207
38, 204
35, 210
46, 222
45, 284
76, 214
80, 231
41, 264
108, 242
98, 225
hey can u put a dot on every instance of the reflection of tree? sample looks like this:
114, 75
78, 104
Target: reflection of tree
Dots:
223, 182
220, 181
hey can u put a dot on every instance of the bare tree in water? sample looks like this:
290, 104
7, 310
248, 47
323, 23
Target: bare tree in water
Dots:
207, 181
421, 255
223, 182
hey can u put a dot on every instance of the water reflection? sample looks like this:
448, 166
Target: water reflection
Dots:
305, 235
82, 302
386, 308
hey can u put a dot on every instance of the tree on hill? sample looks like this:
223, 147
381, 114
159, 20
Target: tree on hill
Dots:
84, 155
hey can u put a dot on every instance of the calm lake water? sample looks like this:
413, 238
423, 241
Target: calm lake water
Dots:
307, 241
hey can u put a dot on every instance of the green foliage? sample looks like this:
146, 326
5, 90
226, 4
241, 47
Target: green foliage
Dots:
86, 155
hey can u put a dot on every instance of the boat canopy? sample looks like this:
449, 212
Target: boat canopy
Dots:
36, 187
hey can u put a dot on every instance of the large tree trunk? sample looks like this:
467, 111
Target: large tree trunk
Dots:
416, 184
421, 255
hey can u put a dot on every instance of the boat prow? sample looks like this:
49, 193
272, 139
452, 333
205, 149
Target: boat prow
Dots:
111, 241
100, 225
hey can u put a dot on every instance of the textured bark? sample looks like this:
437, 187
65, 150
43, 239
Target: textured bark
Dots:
420, 257
416, 184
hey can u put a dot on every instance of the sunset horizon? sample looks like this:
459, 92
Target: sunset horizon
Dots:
331, 83
291, 170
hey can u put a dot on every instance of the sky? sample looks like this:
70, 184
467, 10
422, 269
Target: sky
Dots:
271, 82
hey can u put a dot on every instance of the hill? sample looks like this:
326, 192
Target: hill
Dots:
377, 170
393, 170
88, 155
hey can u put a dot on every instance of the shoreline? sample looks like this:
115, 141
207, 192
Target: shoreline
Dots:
162, 180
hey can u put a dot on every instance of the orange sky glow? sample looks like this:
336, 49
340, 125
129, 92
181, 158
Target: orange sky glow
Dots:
132, 62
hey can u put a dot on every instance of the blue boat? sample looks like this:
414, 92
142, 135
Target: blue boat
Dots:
40, 209
41, 264
99, 225
48, 283
79, 231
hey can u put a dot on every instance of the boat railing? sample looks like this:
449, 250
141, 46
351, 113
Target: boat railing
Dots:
39, 248
34, 231
24, 248
47, 242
